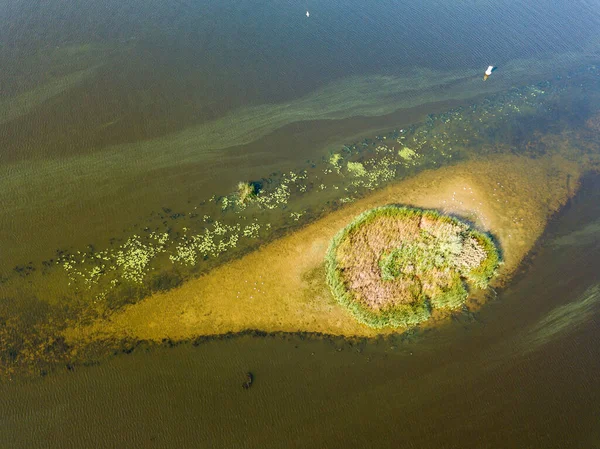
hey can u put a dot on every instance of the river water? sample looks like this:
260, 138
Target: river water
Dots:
109, 112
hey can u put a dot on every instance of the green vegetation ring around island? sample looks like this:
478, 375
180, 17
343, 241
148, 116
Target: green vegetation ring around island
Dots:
393, 266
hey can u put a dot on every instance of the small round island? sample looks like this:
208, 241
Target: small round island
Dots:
393, 266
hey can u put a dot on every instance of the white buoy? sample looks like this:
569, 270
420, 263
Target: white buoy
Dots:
488, 72
307, 14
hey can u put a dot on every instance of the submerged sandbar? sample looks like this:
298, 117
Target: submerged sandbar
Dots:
282, 286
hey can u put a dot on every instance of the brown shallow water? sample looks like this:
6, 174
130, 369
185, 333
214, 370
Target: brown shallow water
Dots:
523, 372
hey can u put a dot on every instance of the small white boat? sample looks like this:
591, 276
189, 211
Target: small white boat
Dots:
307, 14
488, 72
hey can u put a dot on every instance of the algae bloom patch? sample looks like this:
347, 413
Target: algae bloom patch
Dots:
392, 266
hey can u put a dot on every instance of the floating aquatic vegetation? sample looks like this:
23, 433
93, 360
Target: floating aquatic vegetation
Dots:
376, 172
225, 203
134, 257
335, 160
279, 196
130, 261
251, 230
407, 154
356, 169
212, 242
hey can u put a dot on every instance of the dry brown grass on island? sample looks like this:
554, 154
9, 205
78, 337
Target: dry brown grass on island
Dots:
393, 265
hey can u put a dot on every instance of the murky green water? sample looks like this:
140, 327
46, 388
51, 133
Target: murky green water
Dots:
125, 129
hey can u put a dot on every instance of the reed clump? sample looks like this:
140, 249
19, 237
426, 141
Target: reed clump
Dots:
245, 192
392, 266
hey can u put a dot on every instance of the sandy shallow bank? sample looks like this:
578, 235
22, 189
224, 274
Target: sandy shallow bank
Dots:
281, 286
